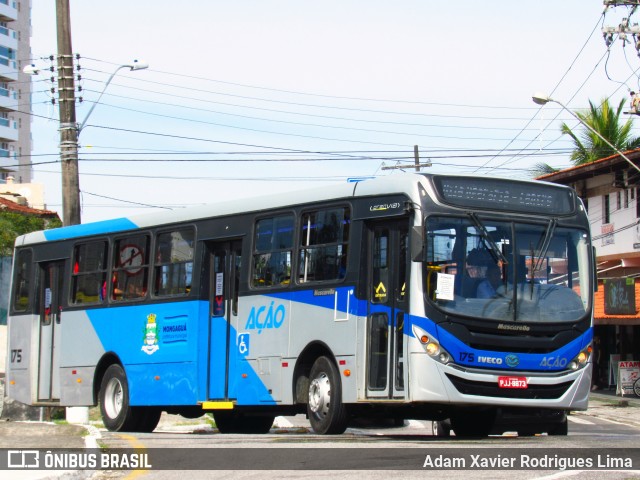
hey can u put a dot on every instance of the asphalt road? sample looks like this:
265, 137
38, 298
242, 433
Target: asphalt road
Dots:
374, 451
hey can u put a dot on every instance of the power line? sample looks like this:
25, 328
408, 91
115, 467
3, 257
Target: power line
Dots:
557, 85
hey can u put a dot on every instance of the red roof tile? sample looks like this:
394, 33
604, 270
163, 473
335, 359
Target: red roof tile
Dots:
23, 209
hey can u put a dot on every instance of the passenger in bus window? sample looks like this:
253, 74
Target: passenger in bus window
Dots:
475, 266
488, 287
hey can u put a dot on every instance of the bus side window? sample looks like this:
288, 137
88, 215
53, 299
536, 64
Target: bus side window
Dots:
130, 276
22, 282
173, 272
89, 272
272, 252
324, 241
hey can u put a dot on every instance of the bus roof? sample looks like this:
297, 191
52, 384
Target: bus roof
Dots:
383, 185
393, 184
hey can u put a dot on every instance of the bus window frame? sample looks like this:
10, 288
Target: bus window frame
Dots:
31, 301
115, 270
299, 244
154, 264
71, 275
292, 249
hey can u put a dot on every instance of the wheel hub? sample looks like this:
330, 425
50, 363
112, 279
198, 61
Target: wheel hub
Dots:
320, 395
113, 398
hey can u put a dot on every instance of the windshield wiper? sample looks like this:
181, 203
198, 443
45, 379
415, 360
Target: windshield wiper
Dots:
495, 250
545, 244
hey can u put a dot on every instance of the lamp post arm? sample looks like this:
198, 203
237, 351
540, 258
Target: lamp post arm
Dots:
595, 132
81, 126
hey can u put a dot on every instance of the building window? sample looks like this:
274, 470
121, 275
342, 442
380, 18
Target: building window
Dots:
626, 198
272, 252
324, 237
606, 213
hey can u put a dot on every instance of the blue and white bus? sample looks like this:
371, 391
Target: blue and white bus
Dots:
361, 299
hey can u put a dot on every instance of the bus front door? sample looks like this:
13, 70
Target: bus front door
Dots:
388, 304
225, 263
50, 297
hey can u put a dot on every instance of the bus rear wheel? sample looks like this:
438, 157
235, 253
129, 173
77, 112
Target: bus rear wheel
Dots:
327, 414
117, 415
147, 418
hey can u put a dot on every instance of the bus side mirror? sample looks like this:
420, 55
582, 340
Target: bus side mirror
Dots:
417, 244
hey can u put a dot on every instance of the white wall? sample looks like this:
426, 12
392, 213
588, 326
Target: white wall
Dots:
3, 348
622, 234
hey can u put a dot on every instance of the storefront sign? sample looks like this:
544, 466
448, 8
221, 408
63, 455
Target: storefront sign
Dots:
628, 372
619, 296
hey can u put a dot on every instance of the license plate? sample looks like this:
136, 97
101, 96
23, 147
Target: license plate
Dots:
512, 382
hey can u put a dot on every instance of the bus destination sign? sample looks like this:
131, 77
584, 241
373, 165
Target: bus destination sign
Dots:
498, 194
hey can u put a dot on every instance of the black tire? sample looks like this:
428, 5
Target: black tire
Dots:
473, 423
233, 422
441, 428
636, 387
560, 429
117, 415
327, 414
148, 418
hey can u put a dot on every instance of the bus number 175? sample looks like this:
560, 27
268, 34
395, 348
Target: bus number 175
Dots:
16, 356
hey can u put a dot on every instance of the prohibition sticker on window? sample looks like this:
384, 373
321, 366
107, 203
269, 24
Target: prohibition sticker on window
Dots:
444, 289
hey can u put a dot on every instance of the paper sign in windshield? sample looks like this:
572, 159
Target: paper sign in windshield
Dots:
444, 290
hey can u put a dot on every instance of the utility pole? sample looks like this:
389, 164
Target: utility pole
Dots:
416, 162
68, 125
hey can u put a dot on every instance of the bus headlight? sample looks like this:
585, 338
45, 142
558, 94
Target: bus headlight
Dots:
431, 346
581, 360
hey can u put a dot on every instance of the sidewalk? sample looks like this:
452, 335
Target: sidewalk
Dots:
606, 404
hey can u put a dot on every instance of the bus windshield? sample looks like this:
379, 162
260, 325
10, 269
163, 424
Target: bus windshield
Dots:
507, 270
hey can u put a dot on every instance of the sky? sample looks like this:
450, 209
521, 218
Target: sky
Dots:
249, 97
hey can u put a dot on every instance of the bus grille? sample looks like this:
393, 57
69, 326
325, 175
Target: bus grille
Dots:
490, 389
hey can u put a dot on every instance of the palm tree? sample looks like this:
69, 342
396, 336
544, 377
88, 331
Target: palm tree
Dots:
606, 121
588, 147
542, 168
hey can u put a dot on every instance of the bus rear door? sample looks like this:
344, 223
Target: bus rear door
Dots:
50, 295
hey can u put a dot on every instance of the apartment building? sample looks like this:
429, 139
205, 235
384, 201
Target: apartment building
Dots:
15, 91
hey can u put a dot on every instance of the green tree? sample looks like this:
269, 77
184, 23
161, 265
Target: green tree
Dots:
587, 146
12, 225
542, 168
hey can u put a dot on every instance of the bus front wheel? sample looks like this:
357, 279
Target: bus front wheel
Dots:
327, 413
117, 415
473, 423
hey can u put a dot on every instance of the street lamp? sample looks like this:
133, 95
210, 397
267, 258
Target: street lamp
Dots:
69, 132
542, 99
136, 65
